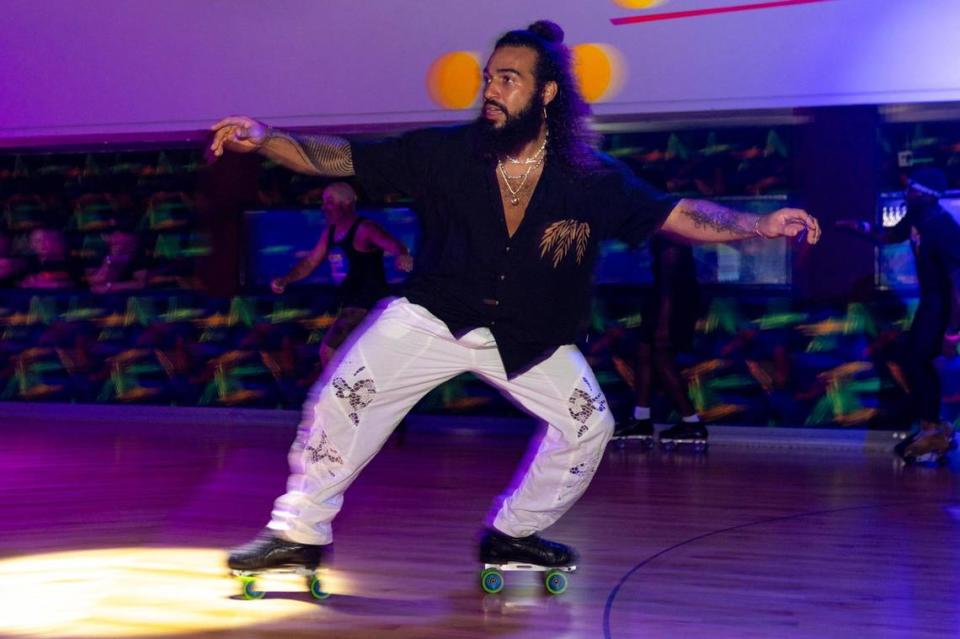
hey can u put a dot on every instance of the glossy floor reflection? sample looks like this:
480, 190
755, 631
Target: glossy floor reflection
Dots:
115, 528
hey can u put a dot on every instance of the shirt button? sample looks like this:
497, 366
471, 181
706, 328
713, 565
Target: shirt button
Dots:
502, 277
493, 322
508, 249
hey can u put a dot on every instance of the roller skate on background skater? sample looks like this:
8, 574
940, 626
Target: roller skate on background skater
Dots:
929, 444
638, 430
270, 553
686, 433
500, 553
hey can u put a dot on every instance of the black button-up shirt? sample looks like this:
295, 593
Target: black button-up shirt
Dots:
532, 289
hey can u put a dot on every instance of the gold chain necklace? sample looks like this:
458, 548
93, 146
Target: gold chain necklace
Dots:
515, 192
533, 159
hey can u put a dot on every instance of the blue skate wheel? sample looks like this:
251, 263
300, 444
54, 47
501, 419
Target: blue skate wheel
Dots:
491, 581
556, 582
248, 588
316, 588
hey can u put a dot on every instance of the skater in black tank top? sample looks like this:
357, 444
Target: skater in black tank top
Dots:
364, 242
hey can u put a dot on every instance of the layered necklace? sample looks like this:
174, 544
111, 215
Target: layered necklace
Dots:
532, 162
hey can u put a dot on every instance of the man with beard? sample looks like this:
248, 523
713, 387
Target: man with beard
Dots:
513, 208
936, 323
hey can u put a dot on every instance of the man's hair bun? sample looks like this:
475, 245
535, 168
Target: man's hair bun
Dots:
549, 31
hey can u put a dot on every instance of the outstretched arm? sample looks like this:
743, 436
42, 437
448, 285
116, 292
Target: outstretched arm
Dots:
705, 221
304, 267
374, 235
900, 232
325, 155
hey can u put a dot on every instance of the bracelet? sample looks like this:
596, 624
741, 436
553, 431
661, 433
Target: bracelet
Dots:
756, 228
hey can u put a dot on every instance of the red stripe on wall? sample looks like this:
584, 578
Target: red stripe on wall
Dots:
695, 13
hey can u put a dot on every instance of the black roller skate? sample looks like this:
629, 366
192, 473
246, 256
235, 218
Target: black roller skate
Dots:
929, 445
501, 553
271, 553
637, 430
693, 434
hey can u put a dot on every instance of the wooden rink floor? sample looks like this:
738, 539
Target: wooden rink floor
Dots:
117, 528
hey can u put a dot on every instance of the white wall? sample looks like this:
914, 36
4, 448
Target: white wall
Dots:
99, 68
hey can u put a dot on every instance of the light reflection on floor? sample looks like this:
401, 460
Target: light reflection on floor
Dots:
129, 592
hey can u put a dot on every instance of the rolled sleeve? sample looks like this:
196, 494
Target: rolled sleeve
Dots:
637, 208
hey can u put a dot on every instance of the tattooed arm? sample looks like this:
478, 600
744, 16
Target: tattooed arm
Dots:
704, 221
325, 155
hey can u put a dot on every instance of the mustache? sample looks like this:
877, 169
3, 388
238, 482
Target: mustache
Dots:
494, 103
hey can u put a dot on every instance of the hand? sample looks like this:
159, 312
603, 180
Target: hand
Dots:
237, 133
789, 223
277, 286
404, 262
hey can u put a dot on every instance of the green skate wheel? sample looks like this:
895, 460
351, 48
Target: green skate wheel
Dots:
556, 582
316, 588
491, 581
248, 588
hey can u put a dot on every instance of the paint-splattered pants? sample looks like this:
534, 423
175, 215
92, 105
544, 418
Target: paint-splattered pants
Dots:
393, 361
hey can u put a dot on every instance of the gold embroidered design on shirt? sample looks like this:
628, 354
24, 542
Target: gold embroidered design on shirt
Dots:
560, 236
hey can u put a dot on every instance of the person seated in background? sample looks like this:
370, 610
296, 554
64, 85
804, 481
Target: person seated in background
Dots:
48, 266
124, 267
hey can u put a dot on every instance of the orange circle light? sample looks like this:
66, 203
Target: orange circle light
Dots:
638, 4
599, 71
453, 80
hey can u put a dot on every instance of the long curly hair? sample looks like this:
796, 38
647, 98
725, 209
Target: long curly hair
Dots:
572, 142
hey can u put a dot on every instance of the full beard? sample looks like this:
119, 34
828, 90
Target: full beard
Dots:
516, 131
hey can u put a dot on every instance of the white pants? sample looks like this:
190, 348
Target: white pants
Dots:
394, 361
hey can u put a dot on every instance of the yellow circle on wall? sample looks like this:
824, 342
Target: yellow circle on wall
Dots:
453, 80
599, 70
638, 4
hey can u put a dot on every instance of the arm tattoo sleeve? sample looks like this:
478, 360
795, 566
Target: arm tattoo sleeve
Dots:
325, 155
719, 219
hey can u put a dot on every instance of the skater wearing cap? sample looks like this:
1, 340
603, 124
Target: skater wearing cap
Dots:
936, 236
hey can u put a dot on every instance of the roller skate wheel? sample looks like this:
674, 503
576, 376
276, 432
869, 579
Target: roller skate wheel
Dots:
556, 582
491, 581
316, 588
248, 588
